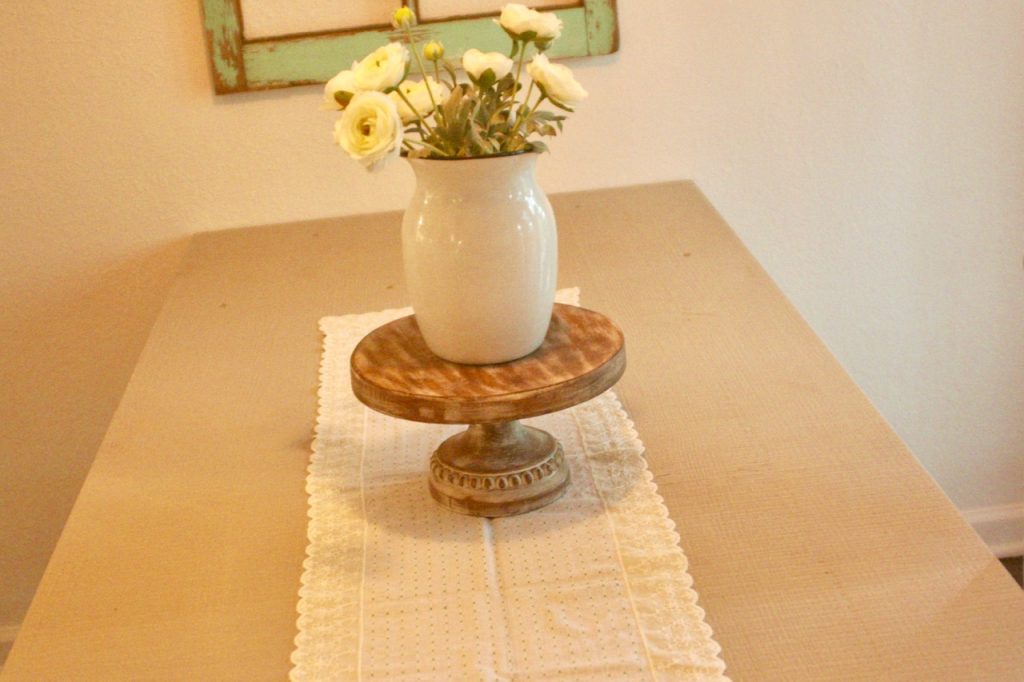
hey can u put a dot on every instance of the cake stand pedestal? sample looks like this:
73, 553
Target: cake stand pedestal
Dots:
497, 466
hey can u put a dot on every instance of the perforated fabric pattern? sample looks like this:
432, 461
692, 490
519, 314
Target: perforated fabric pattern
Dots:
395, 587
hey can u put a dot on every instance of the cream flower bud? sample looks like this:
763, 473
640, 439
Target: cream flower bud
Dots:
342, 87
433, 50
419, 97
475, 63
383, 68
556, 81
518, 20
370, 130
403, 17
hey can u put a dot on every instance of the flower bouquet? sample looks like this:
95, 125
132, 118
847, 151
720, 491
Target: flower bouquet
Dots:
479, 239
434, 115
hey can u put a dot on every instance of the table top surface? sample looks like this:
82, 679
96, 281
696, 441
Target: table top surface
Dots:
819, 546
393, 371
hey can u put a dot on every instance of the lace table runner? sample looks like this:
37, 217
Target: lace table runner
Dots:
396, 587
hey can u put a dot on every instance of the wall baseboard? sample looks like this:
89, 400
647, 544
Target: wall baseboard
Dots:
1002, 528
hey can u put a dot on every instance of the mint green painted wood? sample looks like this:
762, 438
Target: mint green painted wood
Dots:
222, 20
602, 29
316, 59
296, 60
306, 60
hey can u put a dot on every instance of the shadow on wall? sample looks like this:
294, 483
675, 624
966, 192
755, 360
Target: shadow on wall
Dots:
69, 351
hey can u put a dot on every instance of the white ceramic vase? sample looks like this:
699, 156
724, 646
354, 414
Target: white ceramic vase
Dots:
480, 249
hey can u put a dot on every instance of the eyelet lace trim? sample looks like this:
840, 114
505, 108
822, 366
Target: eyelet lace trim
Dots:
678, 641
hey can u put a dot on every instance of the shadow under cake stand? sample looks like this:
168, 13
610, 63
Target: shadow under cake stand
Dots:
497, 466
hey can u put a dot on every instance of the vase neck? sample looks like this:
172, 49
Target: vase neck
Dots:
480, 175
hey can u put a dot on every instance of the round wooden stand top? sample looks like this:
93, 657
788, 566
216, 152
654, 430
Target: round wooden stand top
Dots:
394, 372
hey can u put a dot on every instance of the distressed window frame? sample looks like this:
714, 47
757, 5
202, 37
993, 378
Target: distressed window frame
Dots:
240, 65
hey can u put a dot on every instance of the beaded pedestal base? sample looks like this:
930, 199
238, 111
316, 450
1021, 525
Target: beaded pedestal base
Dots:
498, 470
498, 466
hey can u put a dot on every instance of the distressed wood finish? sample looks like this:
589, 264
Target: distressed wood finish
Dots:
497, 467
222, 22
240, 64
394, 372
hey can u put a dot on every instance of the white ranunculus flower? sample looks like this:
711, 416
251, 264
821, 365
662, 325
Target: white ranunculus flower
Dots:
344, 82
518, 19
383, 68
370, 129
476, 62
556, 80
418, 95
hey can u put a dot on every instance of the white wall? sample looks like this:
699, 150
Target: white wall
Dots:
870, 153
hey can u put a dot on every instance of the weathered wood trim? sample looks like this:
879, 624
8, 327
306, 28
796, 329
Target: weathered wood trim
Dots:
239, 65
222, 21
315, 59
578, 4
602, 27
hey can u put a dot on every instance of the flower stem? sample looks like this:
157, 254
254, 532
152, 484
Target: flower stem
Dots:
512, 100
519, 72
527, 111
529, 91
426, 145
419, 63
413, 109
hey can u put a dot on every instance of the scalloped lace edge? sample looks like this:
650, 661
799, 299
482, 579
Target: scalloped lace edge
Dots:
679, 642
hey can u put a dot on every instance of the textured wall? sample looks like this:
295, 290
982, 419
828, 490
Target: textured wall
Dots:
870, 154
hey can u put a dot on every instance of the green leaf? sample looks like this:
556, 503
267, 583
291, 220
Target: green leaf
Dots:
450, 70
563, 107
498, 118
478, 142
505, 85
545, 115
452, 104
487, 79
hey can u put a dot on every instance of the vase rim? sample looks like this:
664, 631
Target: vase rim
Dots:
499, 155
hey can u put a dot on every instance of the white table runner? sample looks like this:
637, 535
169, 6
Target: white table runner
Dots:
396, 587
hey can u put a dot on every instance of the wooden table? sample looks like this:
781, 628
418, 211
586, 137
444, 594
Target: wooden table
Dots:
819, 546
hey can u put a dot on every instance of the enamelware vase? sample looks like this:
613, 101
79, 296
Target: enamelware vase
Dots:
480, 250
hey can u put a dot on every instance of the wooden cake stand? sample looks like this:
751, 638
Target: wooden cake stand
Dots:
498, 466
